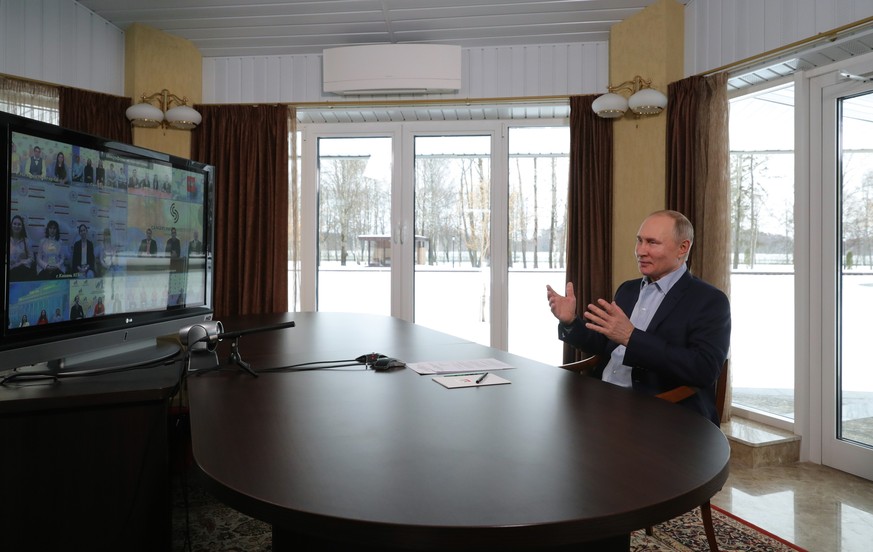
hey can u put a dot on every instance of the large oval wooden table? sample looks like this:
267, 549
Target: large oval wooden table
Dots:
356, 459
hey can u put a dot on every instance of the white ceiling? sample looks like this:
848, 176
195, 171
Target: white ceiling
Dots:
220, 28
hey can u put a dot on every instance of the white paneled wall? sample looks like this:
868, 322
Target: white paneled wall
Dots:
720, 32
61, 42
492, 72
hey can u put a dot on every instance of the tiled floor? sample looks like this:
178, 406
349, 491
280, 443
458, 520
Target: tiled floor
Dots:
815, 507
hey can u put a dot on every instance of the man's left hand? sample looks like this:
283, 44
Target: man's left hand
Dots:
608, 319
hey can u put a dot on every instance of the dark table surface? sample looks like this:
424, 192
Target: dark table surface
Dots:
396, 460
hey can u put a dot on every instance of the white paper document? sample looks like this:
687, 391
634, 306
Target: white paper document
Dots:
458, 366
470, 380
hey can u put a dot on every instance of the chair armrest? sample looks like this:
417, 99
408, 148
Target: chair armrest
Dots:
677, 393
582, 366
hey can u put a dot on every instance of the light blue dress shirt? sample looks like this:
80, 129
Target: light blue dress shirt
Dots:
651, 295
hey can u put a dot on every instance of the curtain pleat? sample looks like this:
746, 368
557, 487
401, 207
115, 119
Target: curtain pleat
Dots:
95, 113
248, 145
589, 205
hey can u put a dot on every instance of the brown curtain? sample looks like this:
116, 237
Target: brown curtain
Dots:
697, 171
95, 113
589, 207
698, 181
248, 145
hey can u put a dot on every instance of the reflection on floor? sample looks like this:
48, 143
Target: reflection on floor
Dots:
815, 507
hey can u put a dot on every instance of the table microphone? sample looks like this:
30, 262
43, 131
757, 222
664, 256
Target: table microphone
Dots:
204, 337
222, 335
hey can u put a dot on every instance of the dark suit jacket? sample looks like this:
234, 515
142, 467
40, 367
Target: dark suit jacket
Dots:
686, 342
77, 256
149, 246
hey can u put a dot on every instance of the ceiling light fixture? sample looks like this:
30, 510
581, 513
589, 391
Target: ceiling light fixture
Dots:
146, 115
643, 101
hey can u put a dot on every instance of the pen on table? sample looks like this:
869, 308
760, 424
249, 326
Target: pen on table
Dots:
482, 377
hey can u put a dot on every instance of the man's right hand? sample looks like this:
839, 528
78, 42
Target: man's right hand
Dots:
563, 307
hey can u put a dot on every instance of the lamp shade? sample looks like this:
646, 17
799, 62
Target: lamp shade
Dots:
610, 105
183, 117
144, 115
647, 101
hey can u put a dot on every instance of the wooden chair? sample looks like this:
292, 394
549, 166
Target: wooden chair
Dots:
675, 395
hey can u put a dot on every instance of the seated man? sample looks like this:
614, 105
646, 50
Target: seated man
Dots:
663, 330
83, 254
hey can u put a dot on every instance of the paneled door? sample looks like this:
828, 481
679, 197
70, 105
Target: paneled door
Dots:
847, 269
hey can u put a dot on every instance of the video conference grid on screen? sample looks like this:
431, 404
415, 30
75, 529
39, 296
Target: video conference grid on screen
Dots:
93, 234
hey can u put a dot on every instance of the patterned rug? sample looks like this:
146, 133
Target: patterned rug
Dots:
206, 525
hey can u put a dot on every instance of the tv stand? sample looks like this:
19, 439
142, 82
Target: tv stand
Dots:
86, 462
145, 353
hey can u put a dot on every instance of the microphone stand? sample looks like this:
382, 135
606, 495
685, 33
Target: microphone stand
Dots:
235, 356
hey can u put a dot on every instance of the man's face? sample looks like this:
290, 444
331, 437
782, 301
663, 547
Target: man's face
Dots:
657, 252
83, 232
148, 234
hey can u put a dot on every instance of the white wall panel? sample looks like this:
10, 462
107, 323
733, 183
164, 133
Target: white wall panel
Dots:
11, 60
83, 46
53, 37
33, 51
272, 83
589, 68
719, 33
504, 59
61, 42
488, 72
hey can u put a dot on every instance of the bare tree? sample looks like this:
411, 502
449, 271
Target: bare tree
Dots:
518, 217
349, 204
475, 212
553, 211
536, 216
746, 202
434, 202
857, 216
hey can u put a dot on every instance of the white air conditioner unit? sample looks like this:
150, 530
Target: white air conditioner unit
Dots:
392, 69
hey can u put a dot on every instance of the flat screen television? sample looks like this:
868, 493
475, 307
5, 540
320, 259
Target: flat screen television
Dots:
108, 249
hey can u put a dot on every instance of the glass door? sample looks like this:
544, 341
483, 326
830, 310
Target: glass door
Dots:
452, 239
356, 237
847, 271
762, 259
539, 170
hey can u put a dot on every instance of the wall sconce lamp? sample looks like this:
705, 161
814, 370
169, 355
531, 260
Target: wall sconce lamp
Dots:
146, 115
644, 100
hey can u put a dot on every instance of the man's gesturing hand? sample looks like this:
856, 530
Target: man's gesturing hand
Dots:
607, 318
563, 307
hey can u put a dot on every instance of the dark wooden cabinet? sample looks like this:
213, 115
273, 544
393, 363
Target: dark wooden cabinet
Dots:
85, 464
